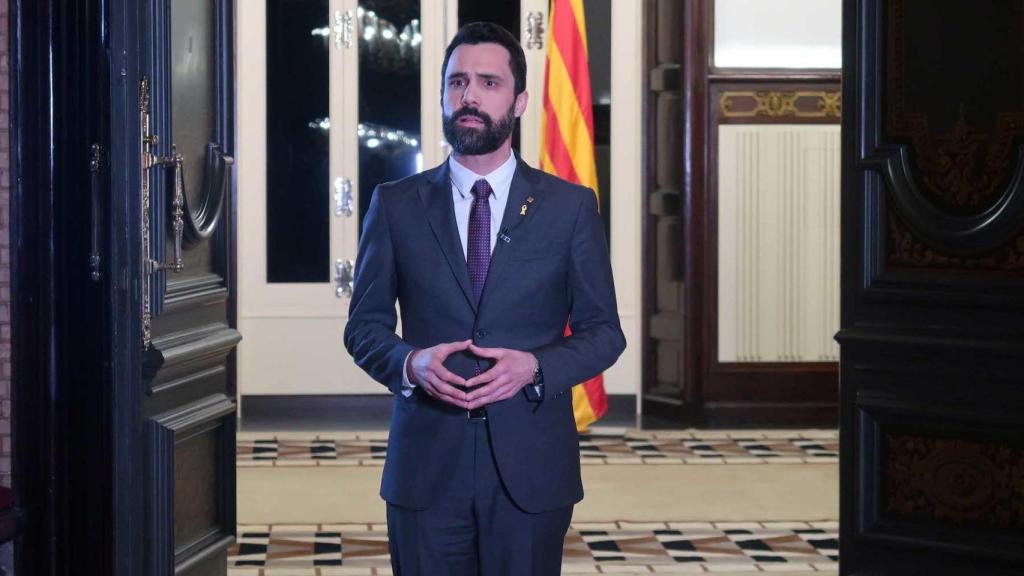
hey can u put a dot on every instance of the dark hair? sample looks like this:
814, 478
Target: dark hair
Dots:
490, 33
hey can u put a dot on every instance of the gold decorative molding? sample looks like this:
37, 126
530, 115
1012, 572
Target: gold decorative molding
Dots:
780, 104
830, 104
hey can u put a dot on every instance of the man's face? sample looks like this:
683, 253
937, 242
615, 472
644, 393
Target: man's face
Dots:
479, 106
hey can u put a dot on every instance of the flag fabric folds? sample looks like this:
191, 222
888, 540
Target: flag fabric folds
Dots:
567, 143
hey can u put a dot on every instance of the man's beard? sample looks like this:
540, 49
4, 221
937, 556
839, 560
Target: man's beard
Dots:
477, 141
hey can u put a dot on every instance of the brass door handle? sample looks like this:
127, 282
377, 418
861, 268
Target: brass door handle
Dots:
189, 225
177, 161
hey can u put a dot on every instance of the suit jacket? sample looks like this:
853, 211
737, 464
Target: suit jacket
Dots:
548, 266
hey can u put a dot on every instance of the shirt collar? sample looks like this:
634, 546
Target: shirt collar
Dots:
500, 178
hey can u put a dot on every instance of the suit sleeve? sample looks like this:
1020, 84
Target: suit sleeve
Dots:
370, 332
597, 339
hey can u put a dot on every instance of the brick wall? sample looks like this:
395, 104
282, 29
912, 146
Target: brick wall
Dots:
5, 251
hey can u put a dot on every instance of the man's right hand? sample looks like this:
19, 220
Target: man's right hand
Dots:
425, 369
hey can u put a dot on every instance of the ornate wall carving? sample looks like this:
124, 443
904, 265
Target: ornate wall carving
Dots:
954, 481
908, 251
963, 138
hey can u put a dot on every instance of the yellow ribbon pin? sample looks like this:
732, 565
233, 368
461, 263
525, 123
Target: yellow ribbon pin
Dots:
522, 211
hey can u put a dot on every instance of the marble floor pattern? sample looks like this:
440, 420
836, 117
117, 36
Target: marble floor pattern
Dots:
590, 548
628, 447
768, 529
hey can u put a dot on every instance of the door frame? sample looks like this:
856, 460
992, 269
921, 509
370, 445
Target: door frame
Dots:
76, 470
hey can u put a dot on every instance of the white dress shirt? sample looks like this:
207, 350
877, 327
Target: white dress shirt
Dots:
462, 179
462, 196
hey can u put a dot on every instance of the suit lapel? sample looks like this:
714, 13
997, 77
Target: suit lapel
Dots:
436, 195
522, 192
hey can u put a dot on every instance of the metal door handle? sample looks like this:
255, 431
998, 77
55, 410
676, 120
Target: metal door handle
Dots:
344, 275
147, 159
95, 165
178, 210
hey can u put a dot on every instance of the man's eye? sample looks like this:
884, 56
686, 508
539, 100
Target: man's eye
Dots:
491, 83
455, 83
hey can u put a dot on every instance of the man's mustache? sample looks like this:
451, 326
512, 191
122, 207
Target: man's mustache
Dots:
472, 113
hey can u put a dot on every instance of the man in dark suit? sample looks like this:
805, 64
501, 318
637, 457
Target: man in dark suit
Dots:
488, 259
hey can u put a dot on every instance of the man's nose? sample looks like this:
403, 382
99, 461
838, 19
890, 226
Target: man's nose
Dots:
469, 95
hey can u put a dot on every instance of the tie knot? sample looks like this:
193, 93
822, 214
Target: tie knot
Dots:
481, 189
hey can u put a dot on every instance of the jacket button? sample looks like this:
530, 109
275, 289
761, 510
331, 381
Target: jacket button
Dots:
481, 334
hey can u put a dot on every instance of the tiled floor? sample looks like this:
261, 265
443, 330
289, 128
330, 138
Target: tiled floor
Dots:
795, 469
630, 447
590, 548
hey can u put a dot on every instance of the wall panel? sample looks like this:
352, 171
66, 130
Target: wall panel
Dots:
778, 250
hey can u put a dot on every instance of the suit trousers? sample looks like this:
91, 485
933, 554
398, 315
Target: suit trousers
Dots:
474, 528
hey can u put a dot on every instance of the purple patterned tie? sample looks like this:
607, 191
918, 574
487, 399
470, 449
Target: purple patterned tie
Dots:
478, 245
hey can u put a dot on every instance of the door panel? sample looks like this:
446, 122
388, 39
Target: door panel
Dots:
932, 288
669, 379
367, 133
374, 133
188, 409
300, 210
308, 358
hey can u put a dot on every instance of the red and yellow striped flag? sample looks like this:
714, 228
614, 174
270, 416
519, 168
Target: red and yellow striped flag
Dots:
567, 144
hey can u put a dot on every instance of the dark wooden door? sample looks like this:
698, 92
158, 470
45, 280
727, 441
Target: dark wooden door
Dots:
179, 103
932, 339
670, 376
122, 268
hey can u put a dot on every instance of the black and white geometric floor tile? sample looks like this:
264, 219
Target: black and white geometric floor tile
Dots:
700, 447
590, 548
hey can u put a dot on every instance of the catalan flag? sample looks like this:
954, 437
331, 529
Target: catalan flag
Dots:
567, 144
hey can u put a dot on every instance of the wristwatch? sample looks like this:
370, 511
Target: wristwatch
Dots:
538, 374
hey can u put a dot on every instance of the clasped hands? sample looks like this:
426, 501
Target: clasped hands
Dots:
512, 370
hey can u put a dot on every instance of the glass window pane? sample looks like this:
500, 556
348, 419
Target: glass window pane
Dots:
298, 170
389, 93
778, 34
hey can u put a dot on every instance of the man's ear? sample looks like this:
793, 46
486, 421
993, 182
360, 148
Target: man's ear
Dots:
521, 101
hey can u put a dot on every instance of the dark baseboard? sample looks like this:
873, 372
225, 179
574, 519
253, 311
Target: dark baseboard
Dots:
373, 412
365, 412
739, 415
316, 412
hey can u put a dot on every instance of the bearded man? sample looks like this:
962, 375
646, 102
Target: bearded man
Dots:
489, 259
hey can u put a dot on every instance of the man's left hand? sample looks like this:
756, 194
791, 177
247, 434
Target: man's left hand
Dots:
512, 370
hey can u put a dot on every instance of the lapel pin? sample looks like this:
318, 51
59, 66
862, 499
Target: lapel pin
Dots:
529, 199
522, 211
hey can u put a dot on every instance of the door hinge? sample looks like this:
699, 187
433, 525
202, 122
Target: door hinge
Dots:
344, 276
344, 23
343, 197
534, 30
